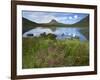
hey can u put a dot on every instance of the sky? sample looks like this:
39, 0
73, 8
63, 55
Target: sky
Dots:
46, 17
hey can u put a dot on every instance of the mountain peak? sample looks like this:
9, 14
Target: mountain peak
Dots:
53, 21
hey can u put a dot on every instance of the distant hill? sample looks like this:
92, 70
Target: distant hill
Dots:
53, 23
83, 23
27, 24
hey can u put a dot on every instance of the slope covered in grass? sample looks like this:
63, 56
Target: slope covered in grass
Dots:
28, 25
42, 52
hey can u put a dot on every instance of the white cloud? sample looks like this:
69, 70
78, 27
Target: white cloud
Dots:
76, 16
46, 17
70, 17
39, 17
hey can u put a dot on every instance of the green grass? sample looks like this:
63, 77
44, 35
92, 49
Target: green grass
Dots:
44, 52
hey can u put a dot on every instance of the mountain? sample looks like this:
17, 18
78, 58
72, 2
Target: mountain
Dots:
83, 23
27, 24
52, 23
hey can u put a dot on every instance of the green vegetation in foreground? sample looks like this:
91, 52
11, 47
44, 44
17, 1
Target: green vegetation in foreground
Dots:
44, 52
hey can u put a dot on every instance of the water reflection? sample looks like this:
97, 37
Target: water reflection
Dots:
60, 32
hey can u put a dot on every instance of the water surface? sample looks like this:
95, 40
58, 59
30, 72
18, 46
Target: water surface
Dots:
60, 32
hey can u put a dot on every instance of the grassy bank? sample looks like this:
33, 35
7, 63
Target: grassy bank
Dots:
41, 52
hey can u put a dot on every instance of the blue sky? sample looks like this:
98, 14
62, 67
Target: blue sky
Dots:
46, 17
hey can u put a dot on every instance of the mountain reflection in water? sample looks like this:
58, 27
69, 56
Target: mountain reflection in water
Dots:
60, 32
